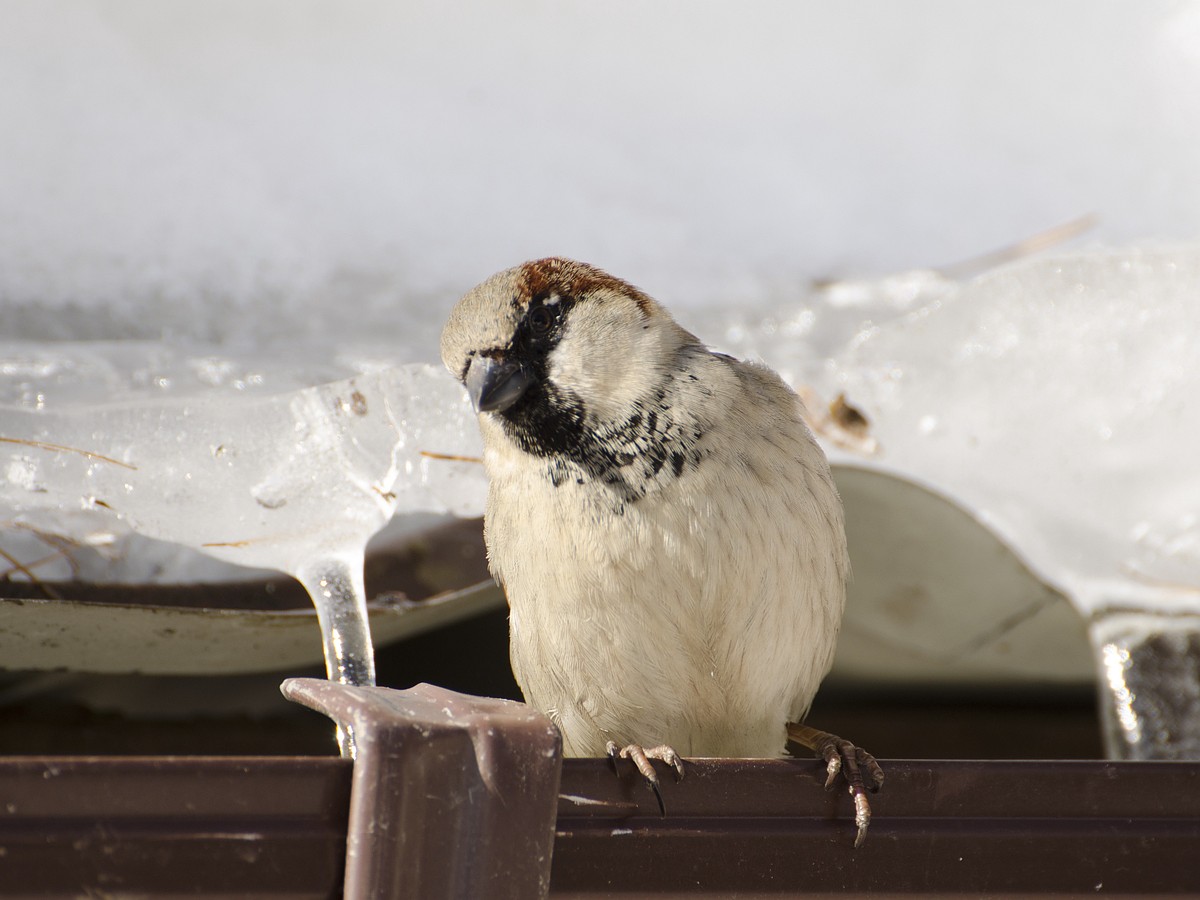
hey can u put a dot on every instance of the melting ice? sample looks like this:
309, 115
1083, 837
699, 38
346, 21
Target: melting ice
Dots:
1055, 401
232, 459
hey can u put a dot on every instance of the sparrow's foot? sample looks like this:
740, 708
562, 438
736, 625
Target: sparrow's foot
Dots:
842, 756
641, 757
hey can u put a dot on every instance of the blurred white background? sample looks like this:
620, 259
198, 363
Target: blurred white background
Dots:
296, 168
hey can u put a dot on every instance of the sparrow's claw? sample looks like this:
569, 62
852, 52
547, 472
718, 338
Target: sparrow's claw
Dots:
842, 756
641, 756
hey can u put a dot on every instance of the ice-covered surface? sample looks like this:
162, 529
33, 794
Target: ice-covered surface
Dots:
1052, 400
250, 469
116, 388
237, 460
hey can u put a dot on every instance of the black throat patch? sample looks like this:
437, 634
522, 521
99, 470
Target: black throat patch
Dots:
631, 457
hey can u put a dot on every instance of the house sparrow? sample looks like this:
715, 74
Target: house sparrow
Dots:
663, 524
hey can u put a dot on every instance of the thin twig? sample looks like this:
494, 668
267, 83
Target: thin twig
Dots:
450, 457
18, 566
1036, 244
44, 445
63, 545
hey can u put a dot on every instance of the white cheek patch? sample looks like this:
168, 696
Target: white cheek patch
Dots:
608, 358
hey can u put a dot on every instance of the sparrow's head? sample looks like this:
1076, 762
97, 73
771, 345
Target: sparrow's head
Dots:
553, 347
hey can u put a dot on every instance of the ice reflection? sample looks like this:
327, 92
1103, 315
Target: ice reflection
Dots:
1115, 664
1150, 665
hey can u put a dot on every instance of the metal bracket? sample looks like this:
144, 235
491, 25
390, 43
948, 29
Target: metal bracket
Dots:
451, 796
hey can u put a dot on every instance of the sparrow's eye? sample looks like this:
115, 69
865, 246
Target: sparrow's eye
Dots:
540, 320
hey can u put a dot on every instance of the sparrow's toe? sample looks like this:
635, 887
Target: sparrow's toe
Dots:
842, 756
641, 756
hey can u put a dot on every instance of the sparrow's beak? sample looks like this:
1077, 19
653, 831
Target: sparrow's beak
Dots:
495, 385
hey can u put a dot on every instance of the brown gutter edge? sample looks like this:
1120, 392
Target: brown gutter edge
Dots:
470, 817
275, 827
766, 828
172, 826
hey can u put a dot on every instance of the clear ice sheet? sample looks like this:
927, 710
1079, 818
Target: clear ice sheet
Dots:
1054, 399
251, 468
101, 443
1051, 397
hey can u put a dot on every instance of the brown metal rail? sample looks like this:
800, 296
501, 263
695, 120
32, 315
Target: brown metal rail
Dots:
275, 827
